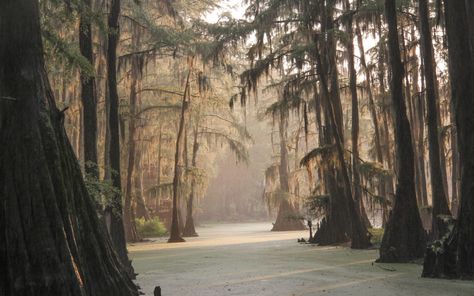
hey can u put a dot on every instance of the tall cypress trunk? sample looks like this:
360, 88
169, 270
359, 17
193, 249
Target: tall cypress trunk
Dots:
189, 229
317, 108
419, 117
158, 167
385, 186
88, 94
420, 180
372, 109
141, 210
131, 234
386, 109
80, 135
457, 258
359, 235
334, 228
442, 138
287, 217
129, 224
357, 195
341, 197
442, 149
440, 204
114, 210
107, 170
404, 237
320, 132
455, 176
342, 221
175, 229
373, 113
51, 239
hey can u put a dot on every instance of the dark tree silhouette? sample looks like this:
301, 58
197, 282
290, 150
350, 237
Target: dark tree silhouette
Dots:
287, 217
131, 234
356, 180
51, 242
455, 256
88, 93
404, 236
440, 204
189, 229
175, 228
114, 212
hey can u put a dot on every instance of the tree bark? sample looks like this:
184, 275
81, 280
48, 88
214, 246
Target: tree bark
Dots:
416, 132
385, 112
88, 94
287, 217
357, 195
440, 204
373, 113
141, 209
52, 241
372, 109
114, 210
457, 257
342, 220
419, 117
175, 232
158, 167
131, 234
189, 229
404, 237
454, 165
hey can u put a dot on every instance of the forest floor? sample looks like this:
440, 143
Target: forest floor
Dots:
247, 259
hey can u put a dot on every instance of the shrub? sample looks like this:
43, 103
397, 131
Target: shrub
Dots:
150, 228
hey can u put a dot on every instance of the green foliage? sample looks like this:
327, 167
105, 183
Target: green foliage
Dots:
194, 176
292, 102
377, 235
237, 147
161, 190
273, 199
67, 53
438, 246
272, 174
380, 200
102, 191
59, 32
173, 32
273, 195
323, 156
150, 228
222, 35
374, 174
318, 203
371, 170
164, 37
